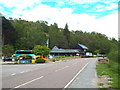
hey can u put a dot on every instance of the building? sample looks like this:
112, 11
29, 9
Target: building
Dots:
82, 49
79, 50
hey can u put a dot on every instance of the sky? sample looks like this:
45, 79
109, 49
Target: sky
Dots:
87, 15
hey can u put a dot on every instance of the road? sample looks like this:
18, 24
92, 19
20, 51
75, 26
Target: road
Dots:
8, 70
87, 78
48, 75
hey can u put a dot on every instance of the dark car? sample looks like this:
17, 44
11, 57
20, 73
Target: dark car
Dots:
9, 59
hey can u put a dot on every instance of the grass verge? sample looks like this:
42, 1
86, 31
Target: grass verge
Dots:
110, 70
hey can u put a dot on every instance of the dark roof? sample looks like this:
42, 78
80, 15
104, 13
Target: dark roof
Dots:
83, 46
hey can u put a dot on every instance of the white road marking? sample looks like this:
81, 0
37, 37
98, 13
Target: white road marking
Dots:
27, 82
13, 74
61, 68
75, 76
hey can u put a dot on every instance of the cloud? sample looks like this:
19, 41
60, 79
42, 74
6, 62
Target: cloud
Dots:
86, 6
111, 6
18, 3
100, 6
19, 6
106, 25
91, 1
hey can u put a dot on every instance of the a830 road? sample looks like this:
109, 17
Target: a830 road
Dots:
50, 75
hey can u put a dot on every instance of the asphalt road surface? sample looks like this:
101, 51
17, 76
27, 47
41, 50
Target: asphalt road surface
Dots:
48, 75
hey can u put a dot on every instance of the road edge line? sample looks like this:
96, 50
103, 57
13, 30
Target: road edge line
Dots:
75, 76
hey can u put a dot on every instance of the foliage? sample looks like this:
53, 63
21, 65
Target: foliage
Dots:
23, 63
97, 51
67, 35
110, 69
9, 34
28, 57
41, 50
113, 55
7, 50
24, 34
60, 56
40, 60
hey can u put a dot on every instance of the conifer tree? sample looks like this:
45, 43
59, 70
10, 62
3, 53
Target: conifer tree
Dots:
67, 35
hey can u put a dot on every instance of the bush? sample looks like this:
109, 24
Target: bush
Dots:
7, 50
40, 60
113, 55
28, 57
60, 57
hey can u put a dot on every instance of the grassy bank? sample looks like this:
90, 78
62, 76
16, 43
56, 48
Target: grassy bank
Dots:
110, 70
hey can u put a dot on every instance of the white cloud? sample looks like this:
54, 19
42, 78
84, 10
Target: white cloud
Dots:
108, 7
9, 3
100, 6
92, 1
111, 6
108, 25
43, 12
86, 6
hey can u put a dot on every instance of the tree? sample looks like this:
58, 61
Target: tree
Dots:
67, 35
41, 50
9, 34
22, 34
7, 50
97, 51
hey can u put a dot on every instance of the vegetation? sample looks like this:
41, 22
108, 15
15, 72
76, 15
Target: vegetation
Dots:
60, 56
7, 50
41, 50
40, 60
27, 57
23, 63
112, 69
22, 34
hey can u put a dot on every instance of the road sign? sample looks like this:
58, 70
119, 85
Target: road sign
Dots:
103, 60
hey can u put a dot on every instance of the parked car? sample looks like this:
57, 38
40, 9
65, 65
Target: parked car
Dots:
9, 59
